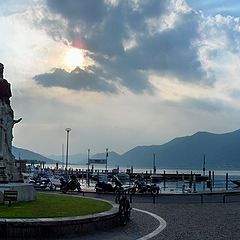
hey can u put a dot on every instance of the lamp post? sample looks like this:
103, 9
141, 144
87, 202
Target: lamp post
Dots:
67, 130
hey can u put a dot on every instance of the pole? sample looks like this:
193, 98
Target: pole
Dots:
226, 181
63, 156
67, 130
213, 178
88, 167
154, 165
106, 158
204, 163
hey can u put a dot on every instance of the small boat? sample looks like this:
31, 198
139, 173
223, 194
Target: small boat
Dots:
237, 182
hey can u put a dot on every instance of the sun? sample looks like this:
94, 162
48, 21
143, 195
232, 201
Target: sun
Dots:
74, 58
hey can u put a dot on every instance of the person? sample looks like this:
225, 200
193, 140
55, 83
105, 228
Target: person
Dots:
5, 87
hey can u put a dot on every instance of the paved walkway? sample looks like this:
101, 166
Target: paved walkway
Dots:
188, 221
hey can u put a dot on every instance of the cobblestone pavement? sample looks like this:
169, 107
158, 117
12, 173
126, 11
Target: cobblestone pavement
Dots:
197, 222
188, 221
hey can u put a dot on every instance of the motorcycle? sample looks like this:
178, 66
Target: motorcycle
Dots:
70, 185
103, 186
141, 187
42, 183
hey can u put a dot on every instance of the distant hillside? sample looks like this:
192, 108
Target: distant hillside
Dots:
222, 151
29, 155
73, 159
82, 159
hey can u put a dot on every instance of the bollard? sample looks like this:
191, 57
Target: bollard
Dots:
201, 199
154, 198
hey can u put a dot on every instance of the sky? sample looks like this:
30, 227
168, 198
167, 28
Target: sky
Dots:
120, 73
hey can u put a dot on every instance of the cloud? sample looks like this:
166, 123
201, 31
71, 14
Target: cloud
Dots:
126, 41
205, 104
77, 79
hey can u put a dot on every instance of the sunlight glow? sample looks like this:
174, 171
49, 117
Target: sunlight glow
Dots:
74, 58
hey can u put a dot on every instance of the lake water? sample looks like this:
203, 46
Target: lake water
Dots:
220, 182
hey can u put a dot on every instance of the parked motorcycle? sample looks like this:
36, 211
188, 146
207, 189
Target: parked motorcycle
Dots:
70, 185
42, 183
141, 187
102, 186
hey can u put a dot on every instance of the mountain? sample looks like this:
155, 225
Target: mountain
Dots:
114, 159
29, 155
82, 159
222, 151
73, 159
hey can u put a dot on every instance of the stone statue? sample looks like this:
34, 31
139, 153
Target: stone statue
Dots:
5, 87
8, 170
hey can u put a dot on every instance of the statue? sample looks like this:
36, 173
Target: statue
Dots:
5, 87
8, 170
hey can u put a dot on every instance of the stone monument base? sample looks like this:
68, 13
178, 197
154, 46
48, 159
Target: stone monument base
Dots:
26, 191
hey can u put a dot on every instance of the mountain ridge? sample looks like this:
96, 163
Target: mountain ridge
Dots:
221, 151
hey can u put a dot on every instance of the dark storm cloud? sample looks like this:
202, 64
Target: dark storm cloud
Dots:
77, 79
103, 28
90, 12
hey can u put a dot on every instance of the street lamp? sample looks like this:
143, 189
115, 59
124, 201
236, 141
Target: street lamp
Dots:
67, 130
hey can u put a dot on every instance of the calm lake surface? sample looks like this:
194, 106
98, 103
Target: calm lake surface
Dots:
220, 181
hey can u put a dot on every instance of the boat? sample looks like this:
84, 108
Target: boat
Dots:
237, 182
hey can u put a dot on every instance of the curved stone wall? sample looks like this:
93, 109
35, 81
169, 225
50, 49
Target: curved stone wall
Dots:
47, 227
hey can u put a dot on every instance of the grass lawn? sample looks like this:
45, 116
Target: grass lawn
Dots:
52, 205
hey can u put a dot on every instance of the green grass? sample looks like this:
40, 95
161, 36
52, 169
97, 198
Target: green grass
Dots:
53, 205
